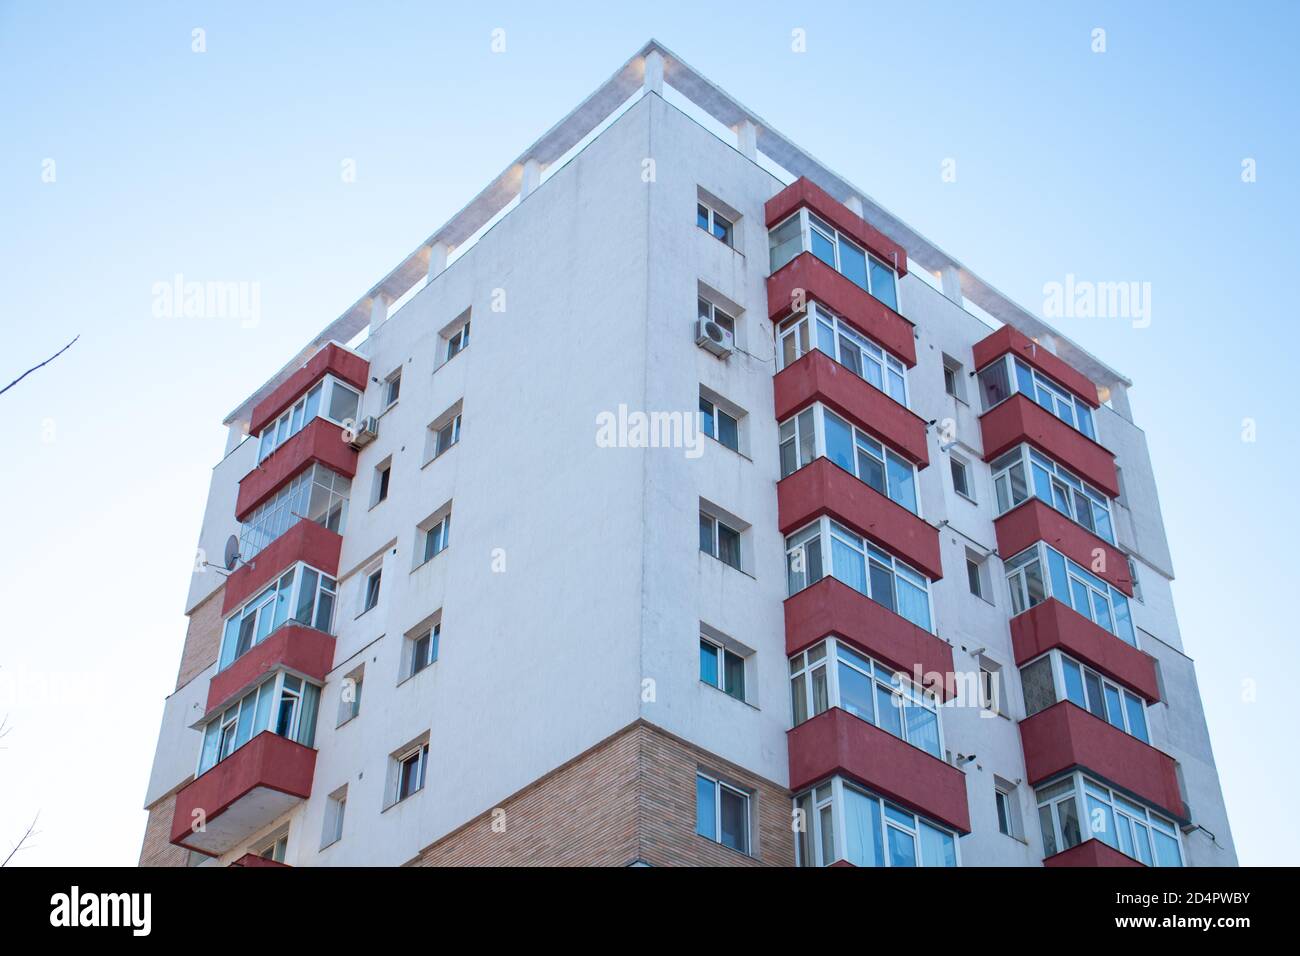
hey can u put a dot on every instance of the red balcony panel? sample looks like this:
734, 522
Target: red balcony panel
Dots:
305, 541
320, 441
836, 742
332, 359
1034, 520
293, 646
1008, 339
822, 487
1091, 852
243, 793
1053, 624
252, 859
816, 377
1064, 737
804, 192
832, 608
1020, 419
856, 306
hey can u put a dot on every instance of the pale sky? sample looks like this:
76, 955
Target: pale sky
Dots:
225, 165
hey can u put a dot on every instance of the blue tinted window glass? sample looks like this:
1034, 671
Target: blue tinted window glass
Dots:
855, 693
1073, 683
708, 663
862, 829
902, 848
839, 442
882, 284
853, 263
706, 813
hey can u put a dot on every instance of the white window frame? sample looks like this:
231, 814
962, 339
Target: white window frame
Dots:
711, 216
957, 463
833, 799
250, 702
434, 634
1059, 660
719, 523
451, 428
791, 432
709, 422
710, 310
1062, 399
336, 805
267, 605
457, 341
421, 753
1062, 481
295, 418
796, 543
1018, 574
294, 503
392, 388
1078, 792
898, 685
835, 237
377, 575
817, 328
718, 787
440, 534
721, 653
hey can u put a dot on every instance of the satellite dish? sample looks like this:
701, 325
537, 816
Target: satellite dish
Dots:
232, 552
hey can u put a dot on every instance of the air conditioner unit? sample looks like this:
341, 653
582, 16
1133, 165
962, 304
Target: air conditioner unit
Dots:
366, 431
710, 335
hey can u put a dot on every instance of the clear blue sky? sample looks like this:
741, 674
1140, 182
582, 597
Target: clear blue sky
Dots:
226, 165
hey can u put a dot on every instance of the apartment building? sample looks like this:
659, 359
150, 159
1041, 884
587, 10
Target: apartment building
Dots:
676, 504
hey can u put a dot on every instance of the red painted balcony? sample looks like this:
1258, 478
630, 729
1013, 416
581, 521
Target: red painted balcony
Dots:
830, 608
1008, 339
320, 441
807, 277
836, 742
816, 377
1064, 737
1090, 852
332, 359
822, 487
242, 794
1020, 419
1034, 520
294, 647
252, 859
804, 192
304, 541
1053, 624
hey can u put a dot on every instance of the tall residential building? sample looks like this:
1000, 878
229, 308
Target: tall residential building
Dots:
674, 503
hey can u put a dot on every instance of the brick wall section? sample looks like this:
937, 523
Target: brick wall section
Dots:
157, 849
631, 797
202, 638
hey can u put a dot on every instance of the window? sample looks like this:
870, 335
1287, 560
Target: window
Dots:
722, 812
1024, 472
954, 382
719, 425
831, 674
437, 538
1070, 584
392, 388
990, 687
1121, 824
826, 544
838, 820
1007, 805
1003, 801
275, 850
350, 695
820, 328
335, 807
444, 432
707, 310
300, 595
719, 540
370, 596
1064, 678
424, 648
328, 398
960, 478
316, 494
1133, 579
383, 472
283, 704
410, 772
977, 576
805, 231
714, 223
457, 341
819, 432
1008, 375
722, 668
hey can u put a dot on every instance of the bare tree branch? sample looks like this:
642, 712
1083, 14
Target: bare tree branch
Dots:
35, 367
21, 840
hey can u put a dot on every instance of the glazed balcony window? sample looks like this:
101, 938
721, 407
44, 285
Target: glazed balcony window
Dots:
818, 432
806, 232
283, 704
1120, 823
1023, 473
302, 595
318, 495
328, 398
827, 547
821, 329
831, 674
841, 821
1055, 677
1009, 375
1071, 585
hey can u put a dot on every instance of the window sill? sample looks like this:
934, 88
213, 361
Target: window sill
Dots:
968, 498
398, 803
735, 451
723, 846
326, 846
430, 560
365, 612
732, 566
410, 677
344, 723
447, 361
738, 700
445, 451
